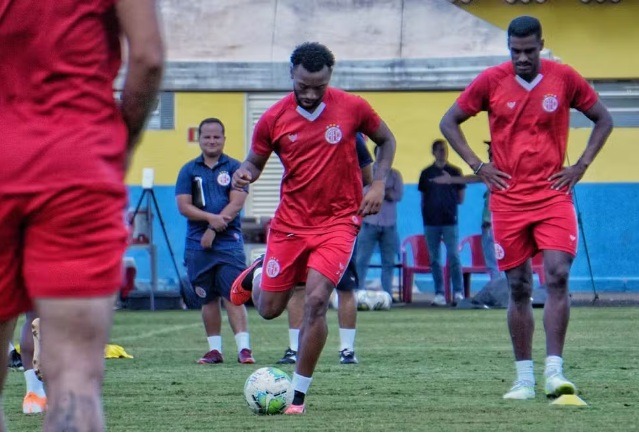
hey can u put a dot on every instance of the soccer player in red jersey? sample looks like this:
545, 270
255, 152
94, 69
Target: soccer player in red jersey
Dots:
528, 101
312, 235
65, 145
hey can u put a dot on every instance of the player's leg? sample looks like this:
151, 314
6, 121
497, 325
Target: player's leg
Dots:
230, 267
556, 235
212, 319
35, 399
295, 310
73, 269
433, 242
74, 334
331, 253
516, 246
347, 313
6, 333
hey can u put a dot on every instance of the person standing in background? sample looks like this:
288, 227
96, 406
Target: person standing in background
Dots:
381, 229
214, 253
439, 212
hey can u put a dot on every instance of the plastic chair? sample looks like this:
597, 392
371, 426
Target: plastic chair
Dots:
420, 263
538, 267
478, 265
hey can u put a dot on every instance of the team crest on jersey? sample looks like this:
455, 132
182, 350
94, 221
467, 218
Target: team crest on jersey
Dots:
223, 178
292, 137
333, 134
200, 292
272, 268
499, 252
550, 103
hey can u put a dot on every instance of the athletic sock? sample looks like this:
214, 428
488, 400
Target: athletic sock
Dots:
242, 341
300, 385
554, 365
33, 383
347, 338
525, 371
293, 339
215, 342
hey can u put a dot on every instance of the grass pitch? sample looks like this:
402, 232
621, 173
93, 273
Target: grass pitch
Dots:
420, 370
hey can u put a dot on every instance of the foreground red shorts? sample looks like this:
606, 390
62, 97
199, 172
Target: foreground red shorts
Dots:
288, 256
519, 235
64, 243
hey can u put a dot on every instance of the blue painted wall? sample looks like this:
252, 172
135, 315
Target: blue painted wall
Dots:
609, 215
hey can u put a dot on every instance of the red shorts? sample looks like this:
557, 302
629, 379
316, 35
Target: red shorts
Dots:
64, 243
288, 256
519, 235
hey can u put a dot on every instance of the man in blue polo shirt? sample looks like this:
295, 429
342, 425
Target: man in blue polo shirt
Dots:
214, 253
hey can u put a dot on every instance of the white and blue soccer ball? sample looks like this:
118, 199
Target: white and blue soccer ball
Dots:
368, 300
268, 391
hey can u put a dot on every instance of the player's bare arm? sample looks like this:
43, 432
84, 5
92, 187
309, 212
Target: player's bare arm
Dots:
249, 171
384, 138
568, 177
189, 210
450, 128
144, 64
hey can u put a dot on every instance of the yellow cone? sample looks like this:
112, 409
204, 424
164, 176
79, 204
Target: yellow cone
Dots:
569, 400
114, 351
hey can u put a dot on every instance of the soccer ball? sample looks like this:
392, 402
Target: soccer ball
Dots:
268, 391
368, 300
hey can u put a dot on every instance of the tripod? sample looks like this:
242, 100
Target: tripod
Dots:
150, 199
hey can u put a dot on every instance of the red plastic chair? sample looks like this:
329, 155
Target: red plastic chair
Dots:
478, 265
538, 267
420, 263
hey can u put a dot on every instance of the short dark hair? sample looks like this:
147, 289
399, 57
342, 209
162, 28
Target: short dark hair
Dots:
524, 26
438, 142
313, 56
210, 120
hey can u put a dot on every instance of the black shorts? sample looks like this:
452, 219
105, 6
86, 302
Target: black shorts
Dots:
350, 280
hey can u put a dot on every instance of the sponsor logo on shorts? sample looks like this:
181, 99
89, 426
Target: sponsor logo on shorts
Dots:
573, 238
223, 178
272, 268
550, 103
333, 134
200, 292
499, 252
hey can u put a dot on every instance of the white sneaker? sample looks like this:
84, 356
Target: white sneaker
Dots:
521, 391
557, 385
439, 300
458, 297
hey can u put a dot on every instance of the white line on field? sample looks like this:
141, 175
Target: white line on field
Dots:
167, 330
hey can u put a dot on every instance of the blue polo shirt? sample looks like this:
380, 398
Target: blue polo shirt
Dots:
216, 184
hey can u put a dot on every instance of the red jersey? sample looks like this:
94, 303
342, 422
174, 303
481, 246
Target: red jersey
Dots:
59, 122
322, 182
528, 127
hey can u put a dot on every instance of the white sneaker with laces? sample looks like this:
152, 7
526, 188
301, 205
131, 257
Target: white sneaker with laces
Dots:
557, 385
439, 300
521, 391
458, 297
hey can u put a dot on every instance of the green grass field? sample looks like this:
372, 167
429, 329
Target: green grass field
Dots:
420, 370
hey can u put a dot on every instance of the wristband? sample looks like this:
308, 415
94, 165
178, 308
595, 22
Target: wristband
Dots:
479, 167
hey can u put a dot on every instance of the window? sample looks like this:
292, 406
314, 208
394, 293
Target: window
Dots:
264, 194
622, 100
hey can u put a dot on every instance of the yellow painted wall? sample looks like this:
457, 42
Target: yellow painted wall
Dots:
599, 40
412, 116
167, 151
